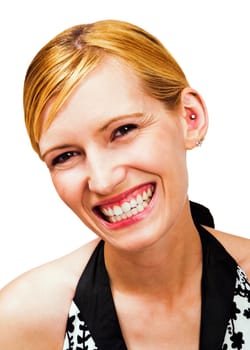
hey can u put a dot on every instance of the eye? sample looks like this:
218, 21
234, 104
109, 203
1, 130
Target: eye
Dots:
64, 157
122, 131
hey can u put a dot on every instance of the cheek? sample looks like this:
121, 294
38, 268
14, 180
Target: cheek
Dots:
160, 152
68, 185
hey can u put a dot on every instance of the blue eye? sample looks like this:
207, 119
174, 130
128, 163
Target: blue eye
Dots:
122, 131
64, 157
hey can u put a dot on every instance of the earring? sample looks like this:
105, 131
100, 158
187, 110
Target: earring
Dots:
198, 143
193, 117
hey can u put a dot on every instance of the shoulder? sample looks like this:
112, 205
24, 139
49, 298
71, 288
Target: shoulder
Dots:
238, 247
34, 307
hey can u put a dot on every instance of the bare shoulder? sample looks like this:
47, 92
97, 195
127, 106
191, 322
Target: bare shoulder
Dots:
238, 247
34, 307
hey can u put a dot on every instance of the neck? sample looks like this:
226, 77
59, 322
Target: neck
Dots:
168, 267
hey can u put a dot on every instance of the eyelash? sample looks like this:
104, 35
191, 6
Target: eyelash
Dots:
123, 130
62, 158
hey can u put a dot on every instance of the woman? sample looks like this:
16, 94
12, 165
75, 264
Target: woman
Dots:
111, 113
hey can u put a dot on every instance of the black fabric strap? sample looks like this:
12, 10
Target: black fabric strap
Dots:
218, 284
94, 300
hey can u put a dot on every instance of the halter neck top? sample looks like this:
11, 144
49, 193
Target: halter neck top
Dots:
225, 313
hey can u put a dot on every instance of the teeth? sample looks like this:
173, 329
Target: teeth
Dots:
144, 196
129, 214
117, 210
133, 203
140, 208
134, 211
128, 209
149, 193
139, 199
105, 212
110, 212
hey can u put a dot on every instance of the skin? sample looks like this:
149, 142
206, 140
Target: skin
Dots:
94, 159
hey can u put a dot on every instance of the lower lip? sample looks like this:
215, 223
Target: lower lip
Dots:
133, 219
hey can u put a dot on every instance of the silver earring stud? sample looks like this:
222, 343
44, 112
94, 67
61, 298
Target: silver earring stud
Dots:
198, 143
192, 116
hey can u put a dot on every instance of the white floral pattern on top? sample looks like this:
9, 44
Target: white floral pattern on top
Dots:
77, 335
238, 329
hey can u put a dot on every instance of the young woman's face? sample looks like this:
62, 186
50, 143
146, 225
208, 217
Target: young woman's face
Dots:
117, 158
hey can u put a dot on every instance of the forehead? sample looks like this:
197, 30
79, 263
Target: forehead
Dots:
106, 88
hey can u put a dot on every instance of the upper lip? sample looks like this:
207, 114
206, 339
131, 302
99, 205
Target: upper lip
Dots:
121, 196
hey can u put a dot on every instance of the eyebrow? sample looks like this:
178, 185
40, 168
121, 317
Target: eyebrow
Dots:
121, 117
62, 147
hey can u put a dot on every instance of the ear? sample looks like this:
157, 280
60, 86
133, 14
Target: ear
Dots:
195, 117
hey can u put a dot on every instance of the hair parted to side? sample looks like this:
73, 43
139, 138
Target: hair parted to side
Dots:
65, 60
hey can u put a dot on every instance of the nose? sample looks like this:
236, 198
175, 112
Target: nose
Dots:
105, 173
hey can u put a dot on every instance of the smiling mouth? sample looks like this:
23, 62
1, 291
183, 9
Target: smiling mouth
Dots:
129, 206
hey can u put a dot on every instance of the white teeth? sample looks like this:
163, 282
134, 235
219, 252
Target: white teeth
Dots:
110, 212
133, 203
117, 210
140, 207
128, 209
134, 211
139, 199
129, 214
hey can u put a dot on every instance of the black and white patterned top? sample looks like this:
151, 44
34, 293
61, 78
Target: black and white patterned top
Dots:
225, 316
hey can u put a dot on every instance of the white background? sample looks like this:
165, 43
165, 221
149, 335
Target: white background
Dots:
210, 39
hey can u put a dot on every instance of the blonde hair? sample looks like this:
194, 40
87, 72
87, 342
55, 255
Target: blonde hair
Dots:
71, 55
